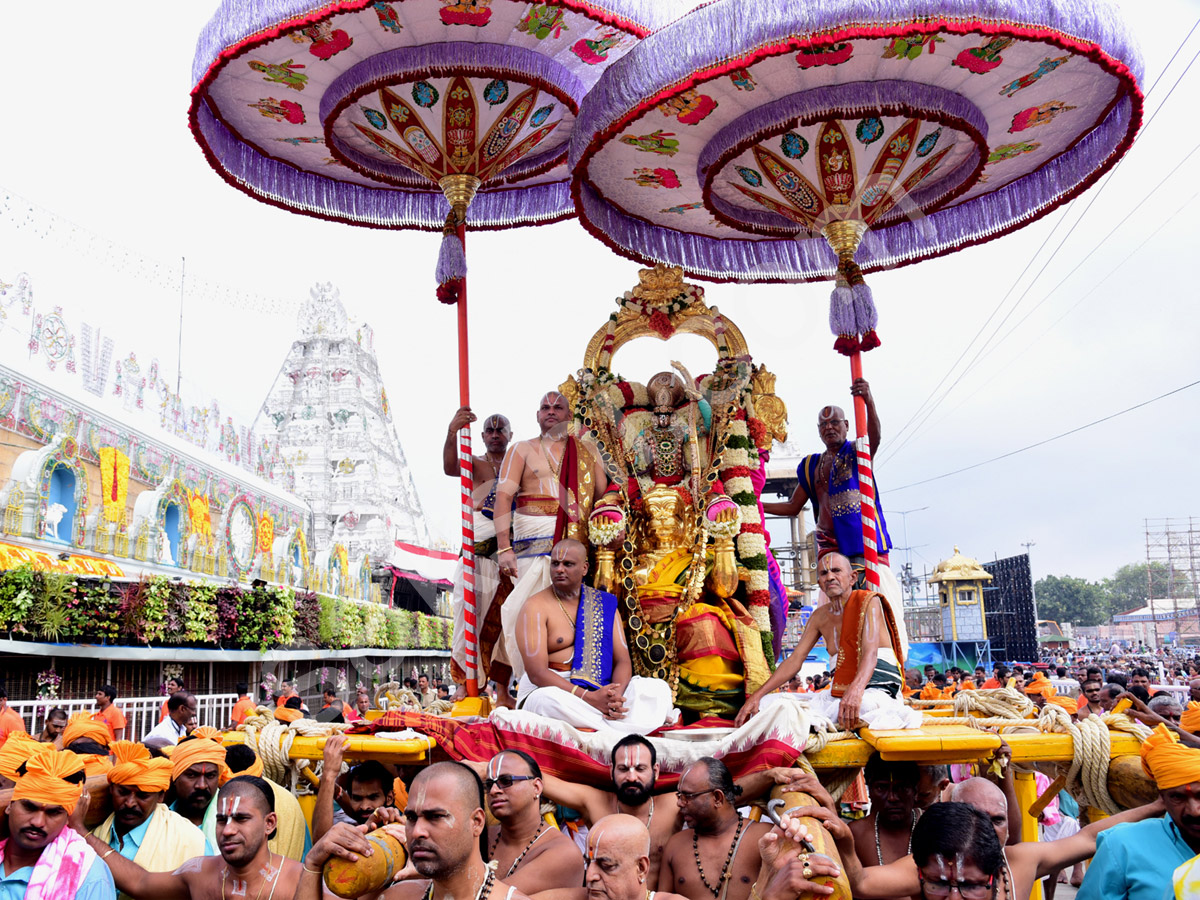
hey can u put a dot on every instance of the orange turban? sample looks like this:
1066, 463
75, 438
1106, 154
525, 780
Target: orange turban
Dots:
95, 764
200, 748
43, 780
1066, 703
1167, 761
135, 768
82, 725
20, 748
1041, 685
284, 714
255, 768
1190, 720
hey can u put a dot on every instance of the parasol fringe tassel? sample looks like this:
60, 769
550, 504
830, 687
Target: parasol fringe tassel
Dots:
451, 263
842, 316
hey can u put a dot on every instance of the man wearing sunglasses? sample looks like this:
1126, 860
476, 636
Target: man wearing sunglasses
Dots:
530, 854
718, 857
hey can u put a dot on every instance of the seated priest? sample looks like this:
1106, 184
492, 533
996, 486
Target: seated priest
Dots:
576, 660
869, 660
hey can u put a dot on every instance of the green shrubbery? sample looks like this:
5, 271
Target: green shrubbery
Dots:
54, 607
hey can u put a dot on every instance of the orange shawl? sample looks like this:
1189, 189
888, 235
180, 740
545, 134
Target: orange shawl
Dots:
850, 649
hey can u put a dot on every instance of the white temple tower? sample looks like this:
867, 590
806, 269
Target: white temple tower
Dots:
329, 411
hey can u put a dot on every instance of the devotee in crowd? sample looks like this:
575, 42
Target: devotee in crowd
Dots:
866, 681
291, 837
596, 688
89, 739
52, 728
719, 857
141, 827
444, 819
884, 835
998, 680
830, 480
545, 493
1148, 715
181, 714
425, 691
173, 686
362, 701
932, 783
493, 660
936, 688
244, 707
349, 797
1137, 861
43, 857
108, 712
443, 692
1088, 703
1140, 677
1165, 705
245, 819
197, 768
618, 864
10, 719
530, 855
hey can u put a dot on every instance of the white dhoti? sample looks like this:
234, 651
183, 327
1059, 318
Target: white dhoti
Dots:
648, 701
533, 538
487, 578
878, 708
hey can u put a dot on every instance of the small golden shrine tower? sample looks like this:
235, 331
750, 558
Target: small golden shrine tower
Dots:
961, 581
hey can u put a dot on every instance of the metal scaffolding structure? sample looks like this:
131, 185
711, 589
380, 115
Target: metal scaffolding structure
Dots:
1173, 577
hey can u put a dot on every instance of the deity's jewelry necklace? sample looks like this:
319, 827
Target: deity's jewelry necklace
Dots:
728, 859
879, 851
516, 862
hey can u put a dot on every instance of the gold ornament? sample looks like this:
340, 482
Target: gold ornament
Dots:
770, 408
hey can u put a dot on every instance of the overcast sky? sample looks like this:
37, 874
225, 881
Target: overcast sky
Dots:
95, 131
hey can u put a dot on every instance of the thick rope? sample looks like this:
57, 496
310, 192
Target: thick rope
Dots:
818, 738
272, 741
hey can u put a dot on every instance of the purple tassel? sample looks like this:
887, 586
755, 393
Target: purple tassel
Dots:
841, 310
452, 259
865, 316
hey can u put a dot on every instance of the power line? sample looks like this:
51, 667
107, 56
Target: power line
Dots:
897, 444
983, 351
1029, 346
1047, 440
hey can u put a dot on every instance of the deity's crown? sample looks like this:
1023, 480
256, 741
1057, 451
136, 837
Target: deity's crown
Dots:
762, 381
660, 285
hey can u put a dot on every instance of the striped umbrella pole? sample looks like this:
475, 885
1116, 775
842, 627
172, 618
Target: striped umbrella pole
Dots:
866, 481
467, 481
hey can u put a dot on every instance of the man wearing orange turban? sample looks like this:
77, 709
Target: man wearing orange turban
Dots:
89, 738
1137, 861
142, 828
1190, 720
17, 751
197, 766
45, 859
1040, 690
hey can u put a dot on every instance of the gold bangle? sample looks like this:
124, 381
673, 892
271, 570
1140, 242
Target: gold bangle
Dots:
754, 894
308, 870
111, 851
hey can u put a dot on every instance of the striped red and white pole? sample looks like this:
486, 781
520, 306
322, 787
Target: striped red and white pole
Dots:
470, 620
866, 482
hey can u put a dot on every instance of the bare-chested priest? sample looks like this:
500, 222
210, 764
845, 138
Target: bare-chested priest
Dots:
576, 662
859, 627
547, 485
493, 659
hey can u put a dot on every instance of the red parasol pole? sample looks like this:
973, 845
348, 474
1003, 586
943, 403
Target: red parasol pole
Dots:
467, 479
459, 191
866, 480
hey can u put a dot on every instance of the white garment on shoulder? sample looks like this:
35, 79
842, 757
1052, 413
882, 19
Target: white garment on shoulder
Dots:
533, 575
648, 701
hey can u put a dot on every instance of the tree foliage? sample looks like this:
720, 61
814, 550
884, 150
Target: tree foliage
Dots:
1075, 600
1129, 587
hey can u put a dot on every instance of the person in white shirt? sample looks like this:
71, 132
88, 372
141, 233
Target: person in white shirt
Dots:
181, 715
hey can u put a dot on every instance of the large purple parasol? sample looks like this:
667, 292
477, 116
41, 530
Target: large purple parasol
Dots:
771, 140
405, 114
